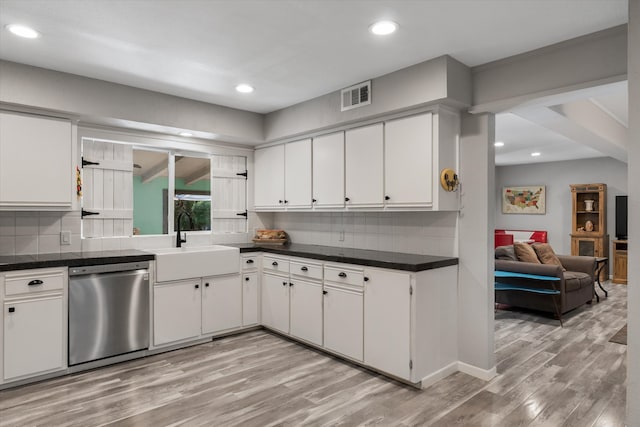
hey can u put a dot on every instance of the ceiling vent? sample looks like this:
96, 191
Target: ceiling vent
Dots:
356, 96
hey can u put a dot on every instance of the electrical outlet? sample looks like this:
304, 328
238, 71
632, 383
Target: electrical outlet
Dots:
65, 238
341, 236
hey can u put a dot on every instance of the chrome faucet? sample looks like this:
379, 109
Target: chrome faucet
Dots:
179, 239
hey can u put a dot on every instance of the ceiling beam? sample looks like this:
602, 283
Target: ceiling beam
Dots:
157, 170
202, 173
568, 120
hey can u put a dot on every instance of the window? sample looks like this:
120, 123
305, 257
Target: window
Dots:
140, 190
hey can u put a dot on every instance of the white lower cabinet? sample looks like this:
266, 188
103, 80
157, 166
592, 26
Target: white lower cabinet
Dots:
194, 308
343, 321
176, 311
387, 321
33, 337
306, 310
275, 302
34, 328
221, 304
250, 299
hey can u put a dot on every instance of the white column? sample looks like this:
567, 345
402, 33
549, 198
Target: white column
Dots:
633, 296
475, 240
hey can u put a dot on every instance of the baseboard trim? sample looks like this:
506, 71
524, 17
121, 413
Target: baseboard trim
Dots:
433, 378
483, 374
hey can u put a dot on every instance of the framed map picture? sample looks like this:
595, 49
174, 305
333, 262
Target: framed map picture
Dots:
524, 200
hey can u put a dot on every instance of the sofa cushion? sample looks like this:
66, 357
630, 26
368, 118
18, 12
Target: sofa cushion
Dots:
506, 252
574, 280
545, 254
525, 253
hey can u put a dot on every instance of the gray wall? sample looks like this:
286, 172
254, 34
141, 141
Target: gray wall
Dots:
441, 80
99, 102
586, 61
633, 350
557, 176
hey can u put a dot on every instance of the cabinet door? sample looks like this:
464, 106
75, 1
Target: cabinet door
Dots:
34, 332
363, 166
387, 323
249, 299
221, 303
408, 170
176, 311
35, 161
306, 310
275, 302
269, 177
297, 182
343, 321
328, 170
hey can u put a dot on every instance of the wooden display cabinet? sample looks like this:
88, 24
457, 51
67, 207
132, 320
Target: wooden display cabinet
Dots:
620, 261
589, 222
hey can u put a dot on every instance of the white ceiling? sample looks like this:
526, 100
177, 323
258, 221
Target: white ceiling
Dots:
295, 50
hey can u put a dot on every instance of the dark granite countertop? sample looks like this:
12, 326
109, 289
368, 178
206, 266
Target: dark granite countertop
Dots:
391, 260
72, 259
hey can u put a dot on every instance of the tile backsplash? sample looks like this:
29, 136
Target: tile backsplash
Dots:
432, 233
23, 233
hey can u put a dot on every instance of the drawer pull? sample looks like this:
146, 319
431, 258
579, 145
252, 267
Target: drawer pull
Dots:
197, 286
304, 269
325, 292
284, 283
290, 284
246, 279
249, 261
274, 263
342, 274
35, 282
366, 279
12, 309
206, 285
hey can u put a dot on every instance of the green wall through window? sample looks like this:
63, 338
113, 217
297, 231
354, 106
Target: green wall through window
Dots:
147, 201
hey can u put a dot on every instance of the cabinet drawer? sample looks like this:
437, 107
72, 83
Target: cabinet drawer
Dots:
29, 282
249, 262
339, 274
275, 264
305, 269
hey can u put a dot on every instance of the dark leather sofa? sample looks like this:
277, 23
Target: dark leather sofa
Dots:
575, 284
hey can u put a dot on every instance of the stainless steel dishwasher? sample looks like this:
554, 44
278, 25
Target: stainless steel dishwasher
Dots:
108, 310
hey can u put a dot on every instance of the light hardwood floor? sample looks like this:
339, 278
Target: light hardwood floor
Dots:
548, 376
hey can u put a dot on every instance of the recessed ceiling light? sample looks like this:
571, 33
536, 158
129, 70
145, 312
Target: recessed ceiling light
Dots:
535, 154
22, 31
187, 134
383, 28
244, 88
499, 144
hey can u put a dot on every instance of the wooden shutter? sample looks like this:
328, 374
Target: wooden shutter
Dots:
107, 189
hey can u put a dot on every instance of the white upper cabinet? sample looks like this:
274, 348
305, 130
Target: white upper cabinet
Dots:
269, 177
408, 173
283, 176
364, 166
391, 165
35, 162
297, 175
328, 171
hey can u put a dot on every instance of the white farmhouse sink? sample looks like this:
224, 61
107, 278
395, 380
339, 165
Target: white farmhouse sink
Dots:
197, 261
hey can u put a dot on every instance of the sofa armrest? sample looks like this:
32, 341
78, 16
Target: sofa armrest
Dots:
529, 268
584, 264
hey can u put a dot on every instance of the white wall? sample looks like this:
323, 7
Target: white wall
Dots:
557, 176
432, 233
